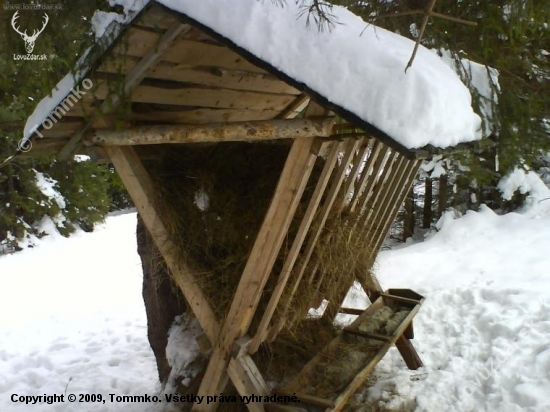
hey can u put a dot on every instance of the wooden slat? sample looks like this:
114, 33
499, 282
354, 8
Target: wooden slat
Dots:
371, 170
295, 107
203, 115
248, 381
189, 95
151, 57
400, 299
296, 246
208, 97
217, 132
289, 191
183, 114
188, 53
373, 203
350, 147
388, 219
61, 130
140, 187
44, 147
368, 335
359, 161
351, 311
381, 200
214, 77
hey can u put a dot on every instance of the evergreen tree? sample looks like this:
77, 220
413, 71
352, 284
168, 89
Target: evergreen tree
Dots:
87, 188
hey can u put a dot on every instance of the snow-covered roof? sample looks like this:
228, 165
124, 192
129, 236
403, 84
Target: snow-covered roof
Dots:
355, 66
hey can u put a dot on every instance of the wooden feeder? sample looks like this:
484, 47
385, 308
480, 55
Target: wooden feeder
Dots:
167, 80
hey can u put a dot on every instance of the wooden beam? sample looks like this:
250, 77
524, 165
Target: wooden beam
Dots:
133, 78
287, 196
350, 147
294, 108
217, 132
369, 175
140, 187
296, 246
248, 381
389, 216
360, 159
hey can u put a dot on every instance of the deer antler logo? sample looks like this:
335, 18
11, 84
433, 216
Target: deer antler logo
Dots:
29, 40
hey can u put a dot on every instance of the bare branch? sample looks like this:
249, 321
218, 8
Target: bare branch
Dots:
427, 16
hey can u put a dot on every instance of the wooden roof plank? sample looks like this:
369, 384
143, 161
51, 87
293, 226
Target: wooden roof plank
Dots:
188, 53
132, 79
215, 77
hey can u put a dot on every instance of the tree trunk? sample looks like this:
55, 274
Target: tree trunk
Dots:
442, 203
163, 300
408, 223
427, 218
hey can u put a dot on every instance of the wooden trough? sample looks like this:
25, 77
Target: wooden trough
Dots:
179, 82
356, 351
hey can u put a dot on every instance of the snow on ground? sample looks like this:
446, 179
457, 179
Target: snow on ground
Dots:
484, 330
71, 314
72, 318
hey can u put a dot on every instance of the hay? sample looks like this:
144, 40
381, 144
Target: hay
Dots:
294, 348
345, 357
233, 184
213, 199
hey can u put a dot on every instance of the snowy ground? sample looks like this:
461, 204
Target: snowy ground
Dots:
484, 330
72, 319
71, 315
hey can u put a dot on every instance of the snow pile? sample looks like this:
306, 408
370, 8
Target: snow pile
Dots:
526, 182
48, 188
356, 66
483, 332
182, 350
101, 21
